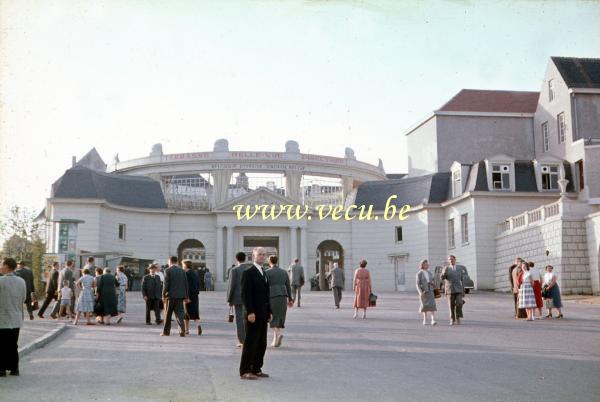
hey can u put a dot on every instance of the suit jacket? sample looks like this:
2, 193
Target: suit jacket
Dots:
234, 290
455, 279
151, 287
66, 274
255, 293
52, 283
513, 276
175, 285
27, 276
296, 275
279, 282
337, 277
12, 297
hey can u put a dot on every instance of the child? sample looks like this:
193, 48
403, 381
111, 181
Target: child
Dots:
65, 295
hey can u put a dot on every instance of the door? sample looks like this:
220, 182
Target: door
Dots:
399, 273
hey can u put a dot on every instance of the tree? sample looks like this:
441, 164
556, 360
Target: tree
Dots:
24, 241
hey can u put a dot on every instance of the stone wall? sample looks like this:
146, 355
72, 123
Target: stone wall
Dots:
559, 242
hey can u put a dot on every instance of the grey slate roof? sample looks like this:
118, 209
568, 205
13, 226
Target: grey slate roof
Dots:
412, 191
131, 191
578, 72
92, 160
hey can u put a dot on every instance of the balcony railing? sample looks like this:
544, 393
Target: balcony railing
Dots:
529, 218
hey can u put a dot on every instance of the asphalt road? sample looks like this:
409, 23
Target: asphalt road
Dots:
328, 356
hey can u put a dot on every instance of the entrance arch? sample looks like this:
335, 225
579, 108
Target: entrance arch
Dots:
328, 252
193, 250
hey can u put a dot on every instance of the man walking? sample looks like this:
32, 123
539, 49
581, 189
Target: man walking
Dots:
513, 274
12, 296
337, 278
152, 292
255, 298
234, 295
175, 291
51, 289
296, 272
25, 273
65, 274
455, 276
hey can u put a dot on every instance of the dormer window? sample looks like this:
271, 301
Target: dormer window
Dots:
456, 183
545, 138
501, 177
550, 176
551, 94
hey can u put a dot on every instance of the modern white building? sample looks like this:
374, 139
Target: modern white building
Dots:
492, 174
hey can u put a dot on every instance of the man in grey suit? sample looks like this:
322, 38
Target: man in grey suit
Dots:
234, 295
455, 276
337, 278
175, 291
65, 274
296, 272
27, 276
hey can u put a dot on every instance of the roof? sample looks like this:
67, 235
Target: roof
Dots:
524, 177
125, 190
578, 72
490, 101
395, 175
412, 191
92, 160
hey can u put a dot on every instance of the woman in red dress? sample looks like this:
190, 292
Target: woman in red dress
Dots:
362, 288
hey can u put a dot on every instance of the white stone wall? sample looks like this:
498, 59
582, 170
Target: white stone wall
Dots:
593, 242
88, 235
566, 244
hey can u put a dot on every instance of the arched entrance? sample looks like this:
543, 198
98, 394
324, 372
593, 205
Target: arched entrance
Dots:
328, 252
194, 250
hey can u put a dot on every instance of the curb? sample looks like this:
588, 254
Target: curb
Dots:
41, 341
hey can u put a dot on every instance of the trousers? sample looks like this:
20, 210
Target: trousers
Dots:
455, 302
255, 345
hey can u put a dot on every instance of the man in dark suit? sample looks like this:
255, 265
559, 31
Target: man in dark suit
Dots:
234, 294
51, 289
27, 276
255, 298
175, 291
152, 293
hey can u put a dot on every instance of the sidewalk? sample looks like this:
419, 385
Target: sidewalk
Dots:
37, 333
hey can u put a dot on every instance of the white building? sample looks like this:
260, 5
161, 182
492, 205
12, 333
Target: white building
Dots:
476, 166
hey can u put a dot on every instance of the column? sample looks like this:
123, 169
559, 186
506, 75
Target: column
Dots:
229, 255
219, 255
304, 255
293, 246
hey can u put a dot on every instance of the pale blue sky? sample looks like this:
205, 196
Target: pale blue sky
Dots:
123, 75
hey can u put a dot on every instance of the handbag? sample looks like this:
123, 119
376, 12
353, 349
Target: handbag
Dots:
436, 293
230, 316
545, 293
35, 305
372, 300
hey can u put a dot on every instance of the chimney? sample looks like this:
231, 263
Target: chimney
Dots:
73, 161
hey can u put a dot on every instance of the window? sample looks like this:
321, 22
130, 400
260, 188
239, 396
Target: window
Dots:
464, 228
560, 121
456, 184
121, 231
450, 233
398, 234
501, 177
545, 138
549, 177
551, 90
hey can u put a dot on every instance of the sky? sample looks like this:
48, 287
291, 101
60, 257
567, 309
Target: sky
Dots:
123, 75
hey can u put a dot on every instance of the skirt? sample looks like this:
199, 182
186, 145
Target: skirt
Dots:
279, 309
526, 296
85, 303
537, 292
427, 300
192, 310
554, 294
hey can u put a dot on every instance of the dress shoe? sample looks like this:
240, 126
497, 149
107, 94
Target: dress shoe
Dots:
163, 334
261, 375
40, 316
248, 376
148, 323
199, 330
159, 322
53, 316
181, 334
31, 316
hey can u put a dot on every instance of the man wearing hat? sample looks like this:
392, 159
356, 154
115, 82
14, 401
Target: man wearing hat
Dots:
152, 293
25, 273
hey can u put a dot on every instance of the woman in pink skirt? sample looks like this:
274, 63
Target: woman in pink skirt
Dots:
362, 288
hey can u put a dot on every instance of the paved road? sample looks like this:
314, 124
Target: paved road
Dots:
328, 356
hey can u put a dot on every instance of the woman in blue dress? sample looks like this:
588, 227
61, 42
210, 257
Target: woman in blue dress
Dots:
85, 302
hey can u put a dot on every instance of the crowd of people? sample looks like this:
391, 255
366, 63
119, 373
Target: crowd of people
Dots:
259, 293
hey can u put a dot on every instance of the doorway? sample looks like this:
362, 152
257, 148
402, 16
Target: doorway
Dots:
328, 253
399, 262
269, 243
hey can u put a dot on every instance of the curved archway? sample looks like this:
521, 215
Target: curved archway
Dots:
193, 250
328, 252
